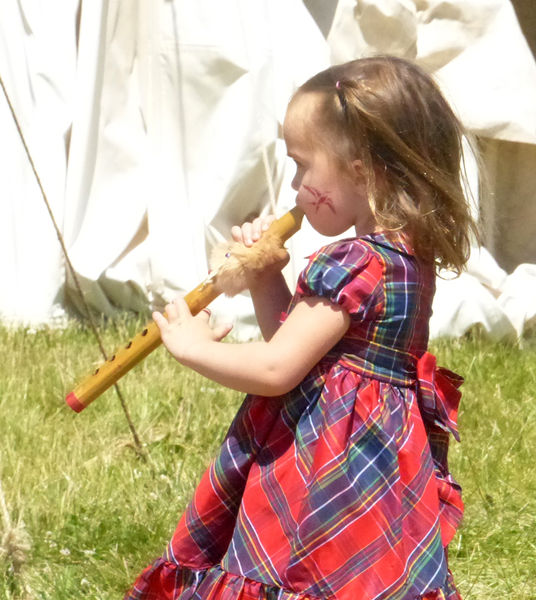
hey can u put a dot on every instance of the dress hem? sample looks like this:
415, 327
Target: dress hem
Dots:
164, 580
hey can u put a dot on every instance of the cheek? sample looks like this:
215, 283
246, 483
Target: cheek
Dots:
319, 199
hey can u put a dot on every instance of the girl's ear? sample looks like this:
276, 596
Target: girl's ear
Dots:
358, 170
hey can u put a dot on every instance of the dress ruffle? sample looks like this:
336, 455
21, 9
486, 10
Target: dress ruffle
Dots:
167, 581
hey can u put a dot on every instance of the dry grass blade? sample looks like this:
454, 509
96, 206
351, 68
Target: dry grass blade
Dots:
14, 548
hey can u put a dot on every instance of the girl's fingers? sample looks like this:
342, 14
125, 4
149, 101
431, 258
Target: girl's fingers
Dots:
236, 233
218, 331
182, 309
171, 311
177, 310
205, 314
242, 234
159, 319
257, 229
221, 331
249, 233
260, 225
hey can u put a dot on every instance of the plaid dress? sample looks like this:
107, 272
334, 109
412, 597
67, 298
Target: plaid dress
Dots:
340, 489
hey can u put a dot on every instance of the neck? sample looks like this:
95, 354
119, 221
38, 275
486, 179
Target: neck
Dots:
367, 227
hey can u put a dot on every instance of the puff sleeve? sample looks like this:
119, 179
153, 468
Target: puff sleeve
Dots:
346, 273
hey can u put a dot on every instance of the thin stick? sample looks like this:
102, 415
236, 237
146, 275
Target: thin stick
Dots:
269, 182
137, 444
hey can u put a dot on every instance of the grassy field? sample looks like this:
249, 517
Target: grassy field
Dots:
91, 513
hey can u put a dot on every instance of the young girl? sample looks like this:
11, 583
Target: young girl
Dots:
332, 482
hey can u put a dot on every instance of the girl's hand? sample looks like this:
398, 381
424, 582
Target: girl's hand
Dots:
183, 334
249, 233
268, 288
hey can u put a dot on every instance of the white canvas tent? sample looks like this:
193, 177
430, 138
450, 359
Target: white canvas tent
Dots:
154, 126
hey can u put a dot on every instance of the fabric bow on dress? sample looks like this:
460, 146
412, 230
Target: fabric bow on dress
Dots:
438, 400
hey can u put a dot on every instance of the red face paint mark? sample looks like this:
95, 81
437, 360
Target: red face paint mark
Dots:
320, 199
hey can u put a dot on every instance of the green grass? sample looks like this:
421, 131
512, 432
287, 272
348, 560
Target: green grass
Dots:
96, 513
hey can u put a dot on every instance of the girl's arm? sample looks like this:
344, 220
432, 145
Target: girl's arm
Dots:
271, 296
268, 368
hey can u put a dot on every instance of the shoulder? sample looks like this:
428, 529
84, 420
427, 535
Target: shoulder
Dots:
346, 253
339, 264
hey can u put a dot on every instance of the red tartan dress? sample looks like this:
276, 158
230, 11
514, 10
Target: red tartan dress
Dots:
340, 489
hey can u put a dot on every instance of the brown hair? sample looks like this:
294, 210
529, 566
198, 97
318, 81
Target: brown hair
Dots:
389, 113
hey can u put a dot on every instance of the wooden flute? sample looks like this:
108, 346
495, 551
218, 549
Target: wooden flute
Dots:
129, 355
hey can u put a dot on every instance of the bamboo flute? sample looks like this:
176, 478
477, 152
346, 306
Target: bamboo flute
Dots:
129, 355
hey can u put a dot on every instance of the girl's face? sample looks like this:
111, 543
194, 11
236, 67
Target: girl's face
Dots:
333, 200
